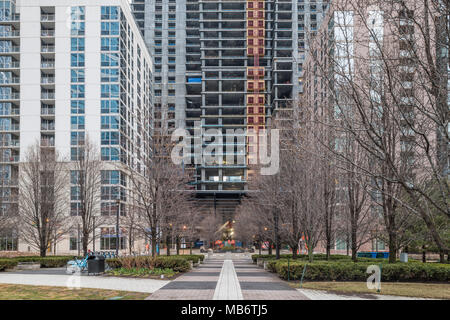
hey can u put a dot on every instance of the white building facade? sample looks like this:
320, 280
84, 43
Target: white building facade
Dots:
72, 71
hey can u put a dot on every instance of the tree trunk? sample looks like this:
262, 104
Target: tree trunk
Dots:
168, 244
260, 247
270, 247
85, 243
392, 246
424, 254
177, 240
442, 256
294, 251
354, 245
153, 240
43, 251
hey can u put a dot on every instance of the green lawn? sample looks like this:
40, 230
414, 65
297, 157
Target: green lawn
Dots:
26, 292
406, 289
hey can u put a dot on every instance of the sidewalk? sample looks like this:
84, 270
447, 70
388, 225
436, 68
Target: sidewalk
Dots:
58, 279
325, 295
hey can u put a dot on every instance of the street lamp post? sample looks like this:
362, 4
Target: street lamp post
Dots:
117, 227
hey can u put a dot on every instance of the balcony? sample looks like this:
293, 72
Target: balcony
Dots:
12, 127
10, 49
10, 18
11, 112
14, 80
48, 95
47, 17
10, 34
47, 142
47, 111
47, 49
10, 143
47, 33
48, 64
48, 80
48, 127
10, 65
10, 159
10, 96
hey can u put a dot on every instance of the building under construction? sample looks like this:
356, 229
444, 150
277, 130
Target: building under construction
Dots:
221, 65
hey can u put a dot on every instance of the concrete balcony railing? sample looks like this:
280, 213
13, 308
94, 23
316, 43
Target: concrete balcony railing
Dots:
48, 64
48, 95
11, 112
11, 49
10, 96
47, 111
10, 159
48, 49
10, 65
10, 34
10, 143
47, 17
48, 80
14, 80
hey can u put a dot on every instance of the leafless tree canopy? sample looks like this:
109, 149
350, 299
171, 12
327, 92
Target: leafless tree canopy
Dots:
43, 198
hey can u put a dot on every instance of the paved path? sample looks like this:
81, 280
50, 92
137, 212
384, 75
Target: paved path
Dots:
58, 278
227, 277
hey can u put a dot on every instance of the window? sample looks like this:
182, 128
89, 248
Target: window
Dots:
75, 209
108, 239
110, 75
77, 28
77, 106
9, 241
77, 13
76, 154
77, 123
110, 176
110, 138
110, 90
341, 244
110, 44
77, 44
110, 154
110, 28
75, 193
77, 75
110, 122
77, 60
77, 91
110, 106
77, 138
110, 13
73, 243
378, 244
110, 59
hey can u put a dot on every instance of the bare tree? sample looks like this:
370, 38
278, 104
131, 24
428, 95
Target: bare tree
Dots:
86, 185
160, 190
43, 198
388, 84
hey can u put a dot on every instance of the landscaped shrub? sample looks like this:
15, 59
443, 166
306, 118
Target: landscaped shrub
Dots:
46, 262
316, 257
176, 263
350, 271
7, 264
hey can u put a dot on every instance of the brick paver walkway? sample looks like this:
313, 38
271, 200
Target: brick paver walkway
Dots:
227, 277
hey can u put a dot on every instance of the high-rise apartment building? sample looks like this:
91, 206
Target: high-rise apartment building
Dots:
226, 65
72, 71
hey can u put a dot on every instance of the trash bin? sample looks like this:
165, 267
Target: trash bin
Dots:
96, 264
404, 257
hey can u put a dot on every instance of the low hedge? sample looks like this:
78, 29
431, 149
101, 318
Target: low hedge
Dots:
7, 264
350, 271
46, 262
176, 263
317, 257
